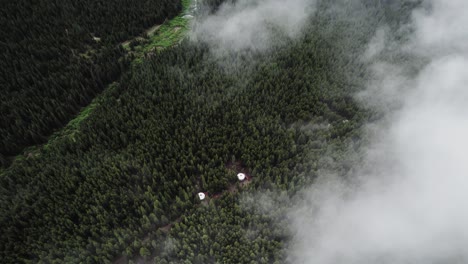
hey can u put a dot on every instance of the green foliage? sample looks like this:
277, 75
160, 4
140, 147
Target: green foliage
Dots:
168, 34
144, 252
124, 185
56, 56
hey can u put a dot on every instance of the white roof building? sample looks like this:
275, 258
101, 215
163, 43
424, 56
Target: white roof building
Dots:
241, 176
201, 196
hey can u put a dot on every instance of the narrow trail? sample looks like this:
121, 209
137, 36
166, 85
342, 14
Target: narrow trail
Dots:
235, 167
149, 32
169, 33
231, 189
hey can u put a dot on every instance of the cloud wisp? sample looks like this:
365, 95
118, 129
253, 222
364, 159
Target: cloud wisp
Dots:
411, 202
252, 25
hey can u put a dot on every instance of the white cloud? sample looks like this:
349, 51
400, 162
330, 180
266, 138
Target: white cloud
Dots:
413, 206
252, 25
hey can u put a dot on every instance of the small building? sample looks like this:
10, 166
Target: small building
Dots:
241, 176
202, 196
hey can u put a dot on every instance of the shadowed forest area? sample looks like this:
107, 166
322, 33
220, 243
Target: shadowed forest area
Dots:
56, 56
123, 188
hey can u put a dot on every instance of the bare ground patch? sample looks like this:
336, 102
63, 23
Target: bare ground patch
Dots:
152, 30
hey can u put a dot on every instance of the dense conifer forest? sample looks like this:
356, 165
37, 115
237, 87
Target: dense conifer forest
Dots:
122, 188
57, 55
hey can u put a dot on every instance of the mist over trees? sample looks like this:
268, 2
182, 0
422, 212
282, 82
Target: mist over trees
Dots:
406, 200
185, 120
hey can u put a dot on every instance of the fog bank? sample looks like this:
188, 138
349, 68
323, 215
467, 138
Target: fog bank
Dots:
409, 203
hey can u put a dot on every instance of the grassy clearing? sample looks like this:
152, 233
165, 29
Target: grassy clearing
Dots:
68, 131
73, 126
168, 34
163, 36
